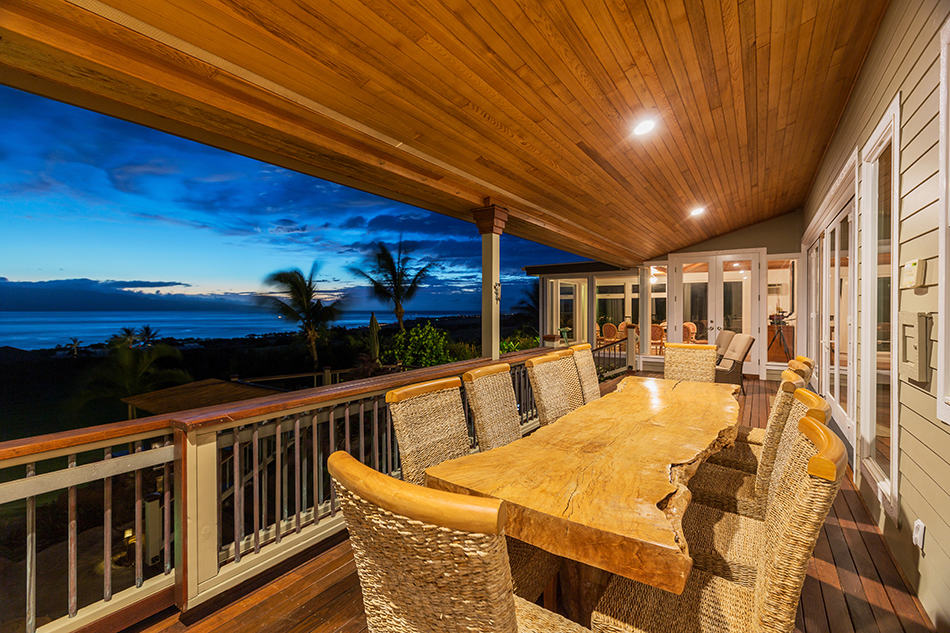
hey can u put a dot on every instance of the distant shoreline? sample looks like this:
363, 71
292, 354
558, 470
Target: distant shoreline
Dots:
53, 331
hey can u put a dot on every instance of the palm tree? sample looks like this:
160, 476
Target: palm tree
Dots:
74, 345
125, 338
530, 300
299, 304
392, 278
147, 335
130, 371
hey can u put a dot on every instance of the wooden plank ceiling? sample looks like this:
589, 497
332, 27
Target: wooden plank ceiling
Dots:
442, 103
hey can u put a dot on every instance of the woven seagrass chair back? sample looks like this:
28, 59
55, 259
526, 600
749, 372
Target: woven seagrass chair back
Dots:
570, 379
805, 403
778, 417
610, 331
550, 396
803, 496
430, 426
491, 397
723, 339
684, 361
427, 560
586, 371
801, 369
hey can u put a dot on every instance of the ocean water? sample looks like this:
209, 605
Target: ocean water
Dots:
40, 330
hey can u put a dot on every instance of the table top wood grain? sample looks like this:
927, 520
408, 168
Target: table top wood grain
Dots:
606, 484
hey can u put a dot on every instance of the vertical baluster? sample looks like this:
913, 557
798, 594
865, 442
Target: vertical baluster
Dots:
139, 536
278, 465
256, 484
298, 475
317, 465
72, 544
285, 483
265, 490
376, 433
30, 557
389, 444
107, 532
360, 436
346, 428
167, 512
332, 449
237, 500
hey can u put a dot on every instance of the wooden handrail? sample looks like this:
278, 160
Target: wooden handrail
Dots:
230, 412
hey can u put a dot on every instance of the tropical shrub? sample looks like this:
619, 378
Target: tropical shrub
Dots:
421, 346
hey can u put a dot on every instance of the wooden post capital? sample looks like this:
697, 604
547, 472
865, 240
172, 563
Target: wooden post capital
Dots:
491, 218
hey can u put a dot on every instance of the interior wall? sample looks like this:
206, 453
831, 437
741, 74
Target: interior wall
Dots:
781, 234
905, 59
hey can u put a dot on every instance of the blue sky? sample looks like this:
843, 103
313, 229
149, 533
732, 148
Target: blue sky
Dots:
91, 198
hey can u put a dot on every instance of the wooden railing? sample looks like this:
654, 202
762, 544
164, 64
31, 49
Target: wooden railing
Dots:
191, 504
615, 357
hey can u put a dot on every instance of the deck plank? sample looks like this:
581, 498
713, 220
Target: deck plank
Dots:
852, 584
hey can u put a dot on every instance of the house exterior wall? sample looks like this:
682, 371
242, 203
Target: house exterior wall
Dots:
905, 59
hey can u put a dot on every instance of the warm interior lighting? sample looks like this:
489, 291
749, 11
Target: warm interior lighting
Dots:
644, 127
653, 279
697, 211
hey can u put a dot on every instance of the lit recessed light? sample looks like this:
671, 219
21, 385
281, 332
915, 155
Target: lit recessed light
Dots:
697, 211
653, 279
644, 127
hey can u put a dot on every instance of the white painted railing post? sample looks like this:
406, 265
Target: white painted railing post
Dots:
199, 525
633, 343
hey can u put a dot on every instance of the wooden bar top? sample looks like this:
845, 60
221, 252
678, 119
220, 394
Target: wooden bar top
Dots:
606, 484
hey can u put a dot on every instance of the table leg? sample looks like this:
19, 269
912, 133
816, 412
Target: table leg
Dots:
581, 589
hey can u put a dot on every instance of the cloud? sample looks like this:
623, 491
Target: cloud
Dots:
112, 283
129, 178
355, 222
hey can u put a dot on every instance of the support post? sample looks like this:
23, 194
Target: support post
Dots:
491, 220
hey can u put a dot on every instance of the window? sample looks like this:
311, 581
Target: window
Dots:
943, 332
880, 213
657, 281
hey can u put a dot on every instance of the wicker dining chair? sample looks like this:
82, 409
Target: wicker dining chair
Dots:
430, 560
610, 332
729, 369
783, 542
747, 450
802, 368
746, 493
555, 392
586, 371
491, 398
430, 426
685, 361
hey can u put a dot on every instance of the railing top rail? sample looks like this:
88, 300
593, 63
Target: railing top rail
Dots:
37, 444
198, 418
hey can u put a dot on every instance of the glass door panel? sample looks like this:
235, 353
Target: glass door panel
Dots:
658, 322
695, 301
782, 309
843, 318
881, 450
737, 293
831, 381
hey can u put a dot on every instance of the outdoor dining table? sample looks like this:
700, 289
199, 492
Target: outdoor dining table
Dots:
605, 484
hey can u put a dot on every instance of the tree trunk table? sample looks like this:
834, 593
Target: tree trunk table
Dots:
606, 484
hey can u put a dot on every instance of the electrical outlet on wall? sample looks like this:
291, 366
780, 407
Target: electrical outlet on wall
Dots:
918, 536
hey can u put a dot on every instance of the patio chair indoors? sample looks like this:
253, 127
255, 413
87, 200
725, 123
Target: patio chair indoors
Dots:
657, 338
685, 361
610, 332
430, 560
689, 332
729, 369
491, 398
783, 544
586, 371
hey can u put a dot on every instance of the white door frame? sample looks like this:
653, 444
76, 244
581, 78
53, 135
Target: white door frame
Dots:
674, 312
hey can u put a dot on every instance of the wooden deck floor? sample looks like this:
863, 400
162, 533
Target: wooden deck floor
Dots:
852, 584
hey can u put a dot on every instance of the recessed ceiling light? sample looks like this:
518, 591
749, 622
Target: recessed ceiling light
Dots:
697, 211
644, 127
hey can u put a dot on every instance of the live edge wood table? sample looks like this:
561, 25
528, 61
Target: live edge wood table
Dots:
605, 485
